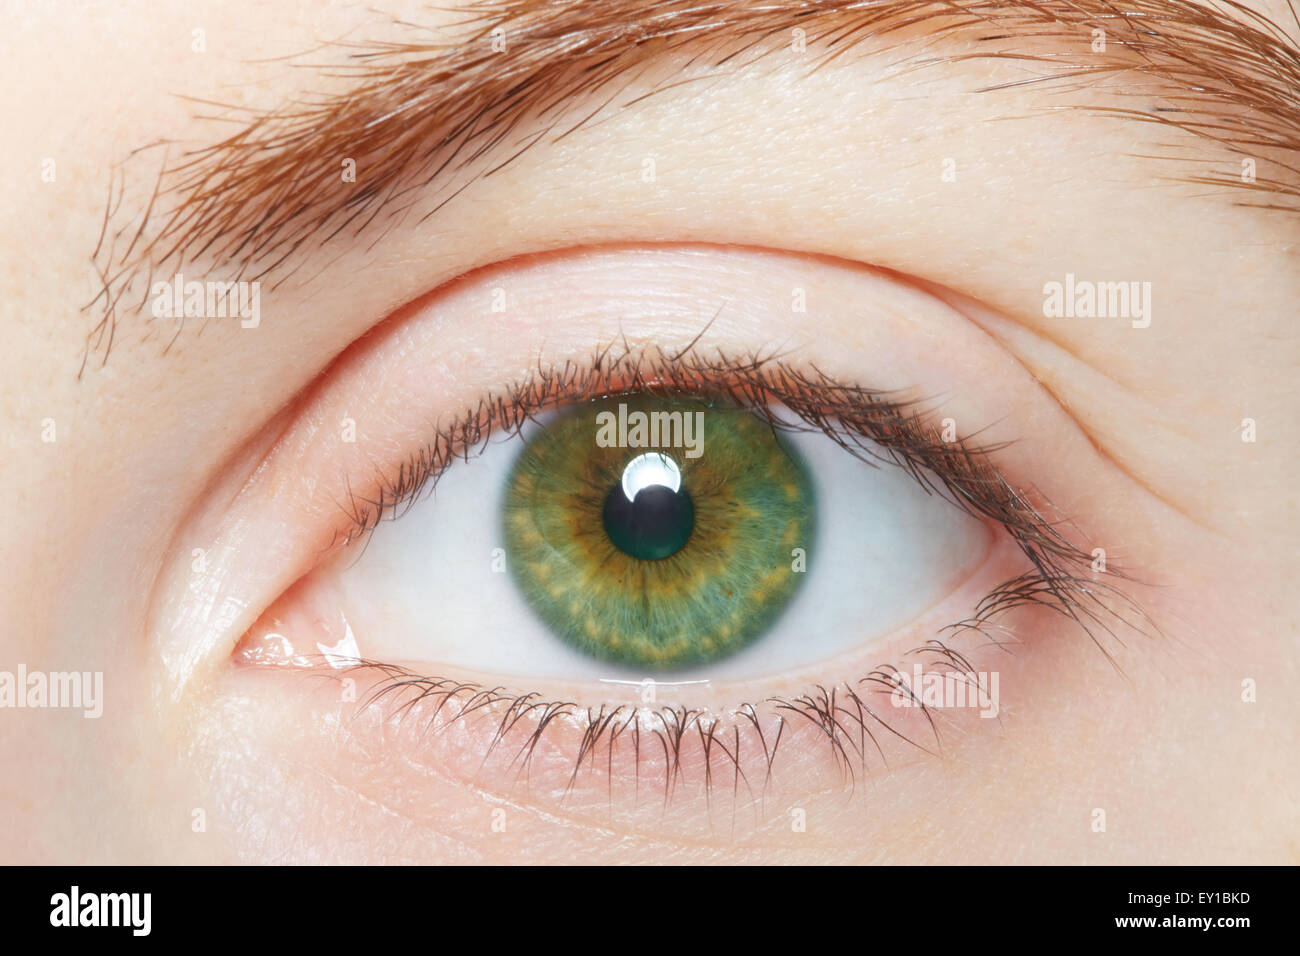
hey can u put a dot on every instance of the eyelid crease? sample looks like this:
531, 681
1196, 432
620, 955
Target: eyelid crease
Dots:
1021, 341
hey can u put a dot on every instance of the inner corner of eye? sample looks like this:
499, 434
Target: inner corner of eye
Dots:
637, 535
306, 627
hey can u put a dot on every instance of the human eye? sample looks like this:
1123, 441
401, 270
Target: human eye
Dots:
471, 590
605, 552
738, 540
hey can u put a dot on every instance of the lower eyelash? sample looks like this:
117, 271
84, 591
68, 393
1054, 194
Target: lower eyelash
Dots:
736, 746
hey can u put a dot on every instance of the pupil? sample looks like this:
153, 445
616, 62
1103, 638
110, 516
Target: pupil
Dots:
657, 523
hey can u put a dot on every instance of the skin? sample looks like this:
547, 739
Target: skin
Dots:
766, 180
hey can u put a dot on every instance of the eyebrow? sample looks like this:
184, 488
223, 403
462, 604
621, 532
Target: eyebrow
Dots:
415, 114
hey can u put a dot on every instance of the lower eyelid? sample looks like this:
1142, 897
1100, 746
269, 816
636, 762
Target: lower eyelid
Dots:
470, 727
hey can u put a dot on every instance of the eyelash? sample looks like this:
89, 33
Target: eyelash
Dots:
875, 427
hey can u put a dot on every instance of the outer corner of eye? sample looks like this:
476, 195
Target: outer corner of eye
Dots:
673, 536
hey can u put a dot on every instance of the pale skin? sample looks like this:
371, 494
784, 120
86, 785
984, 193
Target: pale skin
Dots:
765, 180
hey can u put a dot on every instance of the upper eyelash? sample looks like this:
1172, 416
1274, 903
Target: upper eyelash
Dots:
874, 426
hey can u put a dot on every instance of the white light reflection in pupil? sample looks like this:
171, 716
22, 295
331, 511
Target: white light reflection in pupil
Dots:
646, 471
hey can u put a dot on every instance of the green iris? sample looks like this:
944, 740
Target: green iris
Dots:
658, 532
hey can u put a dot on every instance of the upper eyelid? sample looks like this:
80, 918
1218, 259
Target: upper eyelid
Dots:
215, 199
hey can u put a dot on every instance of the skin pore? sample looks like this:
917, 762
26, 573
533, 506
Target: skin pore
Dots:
920, 215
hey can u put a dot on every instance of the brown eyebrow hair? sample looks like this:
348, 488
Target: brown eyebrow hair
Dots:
416, 113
